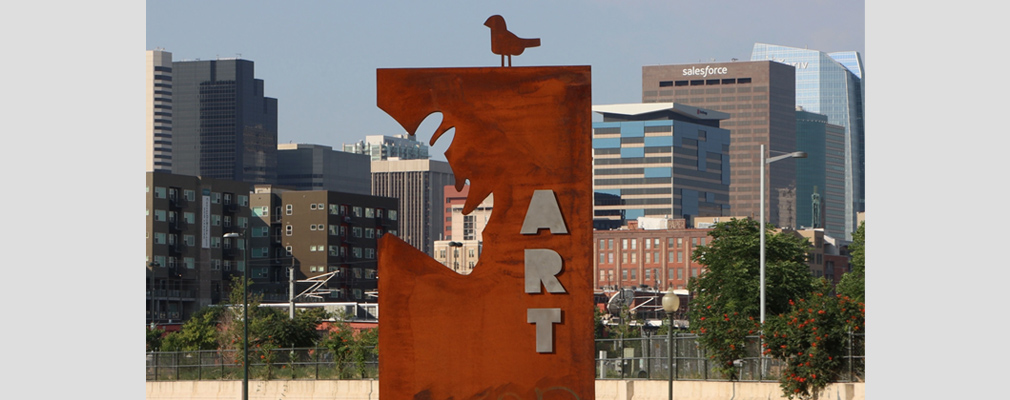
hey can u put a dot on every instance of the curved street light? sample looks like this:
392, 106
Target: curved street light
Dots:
764, 162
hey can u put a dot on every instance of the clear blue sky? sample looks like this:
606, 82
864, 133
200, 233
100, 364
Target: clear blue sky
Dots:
319, 58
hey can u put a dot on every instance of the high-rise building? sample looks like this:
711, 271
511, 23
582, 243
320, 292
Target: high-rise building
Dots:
318, 167
223, 126
159, 111
380, 147
659, 159
189, 262
820, 178
760, 97
419, 185
831, 84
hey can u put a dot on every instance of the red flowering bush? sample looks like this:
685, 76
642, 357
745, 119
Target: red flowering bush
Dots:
812, 339
725, 307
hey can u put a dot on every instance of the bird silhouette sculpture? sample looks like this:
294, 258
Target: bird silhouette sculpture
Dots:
506, 43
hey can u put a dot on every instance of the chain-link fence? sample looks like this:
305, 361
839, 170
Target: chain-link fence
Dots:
304, 363
651, 358
639, 358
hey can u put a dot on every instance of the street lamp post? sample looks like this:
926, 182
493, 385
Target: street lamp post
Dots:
245, 317
671, 303
764, 162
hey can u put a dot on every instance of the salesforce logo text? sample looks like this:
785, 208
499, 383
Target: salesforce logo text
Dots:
705, 71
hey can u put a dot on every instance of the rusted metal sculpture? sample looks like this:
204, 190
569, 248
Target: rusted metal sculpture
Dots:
519, 326
506, 43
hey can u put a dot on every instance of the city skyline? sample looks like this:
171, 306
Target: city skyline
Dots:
325, 83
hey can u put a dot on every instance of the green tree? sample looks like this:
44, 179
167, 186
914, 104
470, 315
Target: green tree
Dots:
727, 304
200, 332
268, 325
853, 283
812, 339
351, 351
154, 338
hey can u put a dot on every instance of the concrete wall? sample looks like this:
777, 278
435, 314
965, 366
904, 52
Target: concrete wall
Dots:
369, 390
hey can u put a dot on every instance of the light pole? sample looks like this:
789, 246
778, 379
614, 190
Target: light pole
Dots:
671, 303
245, 316
764, 162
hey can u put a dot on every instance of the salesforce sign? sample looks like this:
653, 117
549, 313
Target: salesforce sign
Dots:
705, 71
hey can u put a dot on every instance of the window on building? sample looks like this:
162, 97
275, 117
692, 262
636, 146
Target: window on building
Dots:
369, 212
190, 240
356, 211
160, 215
189, 218
369, 233
215, 242
215, 197
288, 230
289, 209
215, 220
392, 215
159, 238
160, 192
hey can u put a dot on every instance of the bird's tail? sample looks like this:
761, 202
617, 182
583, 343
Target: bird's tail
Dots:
531, 42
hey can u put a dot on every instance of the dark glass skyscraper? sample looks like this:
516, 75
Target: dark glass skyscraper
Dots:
223, 126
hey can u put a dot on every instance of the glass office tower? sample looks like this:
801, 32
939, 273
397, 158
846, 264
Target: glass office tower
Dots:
659, 160
831, 84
